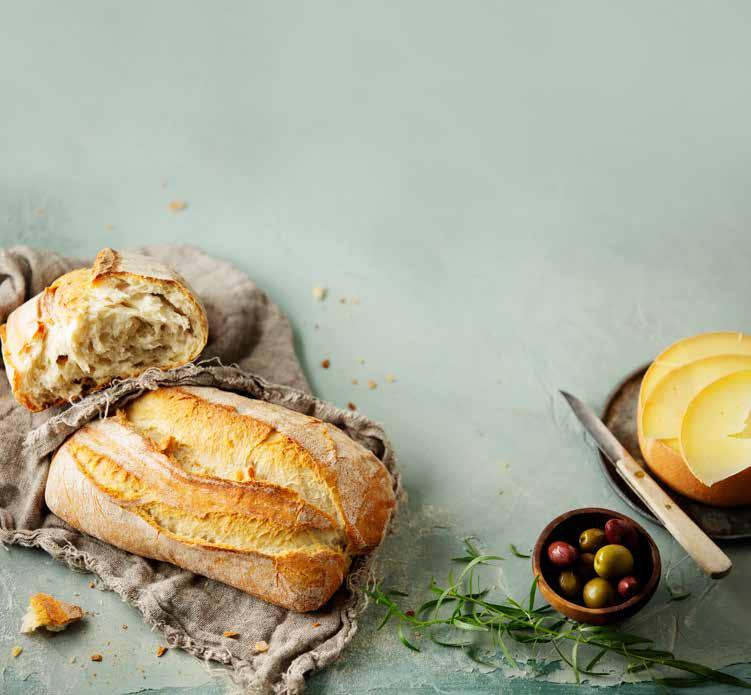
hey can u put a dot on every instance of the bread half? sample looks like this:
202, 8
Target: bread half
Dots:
115, 320
251, 494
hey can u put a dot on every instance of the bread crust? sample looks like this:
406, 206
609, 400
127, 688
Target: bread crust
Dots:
296, 581
59, 305
300, 574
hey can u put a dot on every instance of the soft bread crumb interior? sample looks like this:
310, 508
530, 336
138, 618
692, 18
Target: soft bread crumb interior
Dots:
128, 325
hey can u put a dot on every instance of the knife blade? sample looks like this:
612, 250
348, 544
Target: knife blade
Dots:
695, 542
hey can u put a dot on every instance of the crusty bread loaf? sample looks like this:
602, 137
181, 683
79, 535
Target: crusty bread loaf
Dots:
249, 493
93, 325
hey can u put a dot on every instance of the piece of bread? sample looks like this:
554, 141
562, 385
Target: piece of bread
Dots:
249, 493
48, 612
126, 314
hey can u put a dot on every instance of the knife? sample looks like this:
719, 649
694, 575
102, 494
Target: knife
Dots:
695, 542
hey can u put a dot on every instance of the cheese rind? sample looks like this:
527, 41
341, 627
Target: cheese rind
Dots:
714, 444
670, 397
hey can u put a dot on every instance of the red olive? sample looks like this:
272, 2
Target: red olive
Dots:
628, 587
622, 532
562, 554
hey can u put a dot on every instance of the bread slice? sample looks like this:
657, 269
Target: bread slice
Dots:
50, 613
115, 320
265, 499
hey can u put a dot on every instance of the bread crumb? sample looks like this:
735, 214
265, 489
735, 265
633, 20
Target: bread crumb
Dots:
390, 379
91, 585
161, 651
361, 361
72, 659
231, 633
372, 384
96, 657
262, 646
343, 300
39, 211
178, 205
355, 300
319, 293
48, 612
16, 651
125, 626
164, 183
109, 227
316, 624
355, 382
325, 363
351, 406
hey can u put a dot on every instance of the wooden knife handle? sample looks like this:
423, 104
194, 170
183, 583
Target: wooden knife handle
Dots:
695, 542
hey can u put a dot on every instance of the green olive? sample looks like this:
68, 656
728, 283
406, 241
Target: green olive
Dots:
569, 584
598, 593
614, 561
591, 540
585, 566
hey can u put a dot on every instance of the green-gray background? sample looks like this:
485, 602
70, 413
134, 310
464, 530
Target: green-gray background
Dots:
523, 196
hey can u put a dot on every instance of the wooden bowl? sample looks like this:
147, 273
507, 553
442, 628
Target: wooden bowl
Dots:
567, 527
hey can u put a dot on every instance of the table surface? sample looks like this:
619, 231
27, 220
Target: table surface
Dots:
523, 197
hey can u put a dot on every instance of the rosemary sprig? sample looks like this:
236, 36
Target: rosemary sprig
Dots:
461, 611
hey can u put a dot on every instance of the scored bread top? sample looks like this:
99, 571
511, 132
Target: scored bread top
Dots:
276, 502
58, 325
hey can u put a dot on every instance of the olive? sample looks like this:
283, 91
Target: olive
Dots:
586, 565
614, 561
562, 554
622, 532
628, 587
569, 584
598, 593
592, 540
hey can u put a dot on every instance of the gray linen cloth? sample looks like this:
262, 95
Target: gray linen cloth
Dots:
250, 333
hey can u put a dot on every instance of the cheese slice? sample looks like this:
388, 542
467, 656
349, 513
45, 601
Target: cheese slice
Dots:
716, 429
664, 409
689, 350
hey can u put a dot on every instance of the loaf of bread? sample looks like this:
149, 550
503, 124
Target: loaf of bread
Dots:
249, 493
93, 325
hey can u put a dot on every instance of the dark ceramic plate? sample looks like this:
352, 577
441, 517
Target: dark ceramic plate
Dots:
620, 417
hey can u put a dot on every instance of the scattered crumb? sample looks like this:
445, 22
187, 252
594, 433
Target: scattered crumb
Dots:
16, 651
351, 406
125, 626
668, 506
355, 382
76, 594
361, 361
317, 327
390, 379
316, 624
178, 205
325, 363
319, 293
109, 227
355, 300
343, 300
91, 585
96, 657
161, 651
164, 183
48, 612
372, 384
639, 474
72, 659
39, 211
262, 646
231, 633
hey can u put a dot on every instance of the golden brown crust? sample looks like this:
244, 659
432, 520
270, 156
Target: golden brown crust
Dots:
62, 304
299, 580
358, 484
